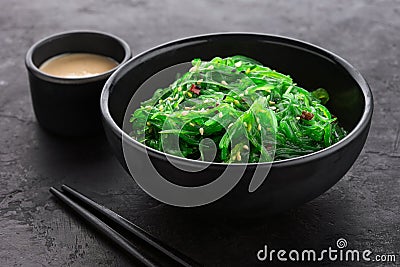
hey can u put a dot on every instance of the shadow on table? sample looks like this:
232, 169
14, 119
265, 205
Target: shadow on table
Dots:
211, 239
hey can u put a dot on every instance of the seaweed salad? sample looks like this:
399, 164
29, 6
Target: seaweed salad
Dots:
235, 110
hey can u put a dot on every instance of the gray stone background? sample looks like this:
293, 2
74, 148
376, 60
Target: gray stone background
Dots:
37, 231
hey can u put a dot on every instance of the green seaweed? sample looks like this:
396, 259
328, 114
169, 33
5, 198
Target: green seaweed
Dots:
251, 112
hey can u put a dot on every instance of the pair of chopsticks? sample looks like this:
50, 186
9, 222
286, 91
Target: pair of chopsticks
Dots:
114, 227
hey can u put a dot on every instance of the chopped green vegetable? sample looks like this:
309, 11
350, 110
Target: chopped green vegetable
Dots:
250, 113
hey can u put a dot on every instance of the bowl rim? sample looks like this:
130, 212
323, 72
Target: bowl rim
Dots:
362, 124
62, 80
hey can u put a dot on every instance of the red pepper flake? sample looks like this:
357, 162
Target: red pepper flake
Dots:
195, 89
305, 115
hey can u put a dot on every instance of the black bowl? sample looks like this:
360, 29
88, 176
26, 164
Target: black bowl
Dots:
70, 106
290, 182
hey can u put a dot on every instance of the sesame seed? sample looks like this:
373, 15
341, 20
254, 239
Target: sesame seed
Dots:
230, 125
245, 124
297, 118
224, 83
271, 102
191, 124
201, 130
238, 64
238, 156
220, 115
189, 94
161, 108
236, 102
193, 69
272, 108
184, 113
170, 98
211, 67
188, 108
148, 123
179, 89
258, 119
241, 95
246, 147
233, 157
160, 101
200, 81
248, 71
259, 127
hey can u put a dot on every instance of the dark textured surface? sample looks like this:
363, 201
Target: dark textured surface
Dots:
364, 207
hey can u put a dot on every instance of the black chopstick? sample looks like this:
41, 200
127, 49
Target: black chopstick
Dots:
179, 258
132, 228
104, 228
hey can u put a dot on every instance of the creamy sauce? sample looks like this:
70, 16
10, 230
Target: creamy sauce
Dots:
77, 65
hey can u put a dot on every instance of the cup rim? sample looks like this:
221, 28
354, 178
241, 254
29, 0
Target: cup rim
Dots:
62, 80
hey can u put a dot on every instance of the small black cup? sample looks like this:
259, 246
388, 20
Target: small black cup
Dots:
71, 106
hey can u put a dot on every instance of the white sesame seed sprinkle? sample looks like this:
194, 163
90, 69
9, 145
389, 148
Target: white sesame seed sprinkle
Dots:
238, 156
246, 147
224, 83
238, 64
211, 67
259, 127
201, 130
